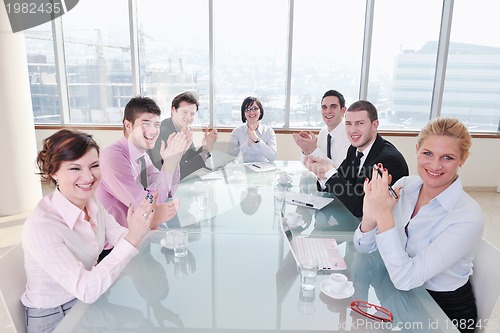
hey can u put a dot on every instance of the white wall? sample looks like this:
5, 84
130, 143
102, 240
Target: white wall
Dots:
20, 186
480, 170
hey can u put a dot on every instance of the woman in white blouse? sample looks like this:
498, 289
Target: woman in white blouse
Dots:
427, 235
257, 142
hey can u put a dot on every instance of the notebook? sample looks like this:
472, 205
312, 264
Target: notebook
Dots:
260, 166
222, 154
306, 200
324, 250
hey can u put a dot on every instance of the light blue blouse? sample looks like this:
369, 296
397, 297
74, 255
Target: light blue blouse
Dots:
439, 248
263, 151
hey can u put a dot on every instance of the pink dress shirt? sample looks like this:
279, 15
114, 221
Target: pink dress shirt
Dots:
61, 250
121, 179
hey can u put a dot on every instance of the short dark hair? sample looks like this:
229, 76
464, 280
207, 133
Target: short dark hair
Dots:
363, 105
334, 93
64, 145
138, 105
188, 97
246, 103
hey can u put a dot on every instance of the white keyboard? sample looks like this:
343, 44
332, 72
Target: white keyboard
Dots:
313, 248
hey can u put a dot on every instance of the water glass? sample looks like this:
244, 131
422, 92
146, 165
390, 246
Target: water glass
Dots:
308, 272
180, 244
203, 200
279, 199
306, 301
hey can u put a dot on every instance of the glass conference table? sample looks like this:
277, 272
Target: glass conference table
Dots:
239, 274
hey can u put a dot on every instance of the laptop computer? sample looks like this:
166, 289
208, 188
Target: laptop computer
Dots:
323, 250
222, 154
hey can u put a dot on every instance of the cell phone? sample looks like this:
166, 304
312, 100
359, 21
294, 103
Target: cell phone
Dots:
391, 190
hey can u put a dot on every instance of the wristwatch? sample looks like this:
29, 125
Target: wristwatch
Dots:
257, 141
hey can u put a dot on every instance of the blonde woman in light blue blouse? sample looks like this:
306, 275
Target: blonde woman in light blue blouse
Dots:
257, 142
427, 235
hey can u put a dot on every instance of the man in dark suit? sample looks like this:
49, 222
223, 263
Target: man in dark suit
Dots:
184, 109
367, 148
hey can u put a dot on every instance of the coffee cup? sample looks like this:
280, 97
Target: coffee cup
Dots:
338, 283
293, 218
284, 178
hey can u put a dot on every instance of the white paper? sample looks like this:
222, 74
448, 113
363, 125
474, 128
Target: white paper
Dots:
261, 166
307, 200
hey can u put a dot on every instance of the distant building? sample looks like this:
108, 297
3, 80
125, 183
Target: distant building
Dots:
471, 87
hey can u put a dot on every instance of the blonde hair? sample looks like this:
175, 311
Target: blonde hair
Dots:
450, 127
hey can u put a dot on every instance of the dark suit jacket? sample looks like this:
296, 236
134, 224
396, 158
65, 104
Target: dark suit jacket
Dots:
348, 187
190, 161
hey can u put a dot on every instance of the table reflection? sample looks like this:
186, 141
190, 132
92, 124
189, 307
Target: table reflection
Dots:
239, 273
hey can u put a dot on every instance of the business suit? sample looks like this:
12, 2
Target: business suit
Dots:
348, 186
190, 161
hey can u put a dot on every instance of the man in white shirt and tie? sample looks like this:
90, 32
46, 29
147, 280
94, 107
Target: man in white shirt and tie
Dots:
367, 148
332, 141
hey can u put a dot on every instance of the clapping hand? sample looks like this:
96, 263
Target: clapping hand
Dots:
307, 141
164, 212
317, 165
252, 134
378, 203
176, 146
209, 138
140, 219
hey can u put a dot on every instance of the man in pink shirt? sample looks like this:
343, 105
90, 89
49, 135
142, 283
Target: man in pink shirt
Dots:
128, 175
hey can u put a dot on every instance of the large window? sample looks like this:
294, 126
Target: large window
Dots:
403, 61
472, 86
250, 58
42, 75
327, 54
98, 66
174, 52
285, 52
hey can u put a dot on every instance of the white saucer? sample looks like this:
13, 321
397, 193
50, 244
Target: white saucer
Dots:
168, 245
296, 225
325, 288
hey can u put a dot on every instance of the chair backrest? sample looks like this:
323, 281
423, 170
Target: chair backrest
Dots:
12, 286
485, 281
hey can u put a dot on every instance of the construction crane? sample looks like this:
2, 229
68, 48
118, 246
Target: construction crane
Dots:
101, 61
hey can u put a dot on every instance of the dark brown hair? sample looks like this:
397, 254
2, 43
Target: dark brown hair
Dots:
137, 106
249, 101
188, 97
64, 145
362, 105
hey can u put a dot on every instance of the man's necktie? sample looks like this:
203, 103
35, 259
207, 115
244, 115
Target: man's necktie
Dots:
357, 162
329, 146
144, 175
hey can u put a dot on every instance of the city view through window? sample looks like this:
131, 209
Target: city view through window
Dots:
287, 58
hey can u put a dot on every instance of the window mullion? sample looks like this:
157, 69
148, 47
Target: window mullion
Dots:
60, 65
442, 59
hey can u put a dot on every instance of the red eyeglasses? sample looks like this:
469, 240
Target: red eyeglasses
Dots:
363, 308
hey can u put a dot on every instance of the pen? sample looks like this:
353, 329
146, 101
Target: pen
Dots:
255, 165
394, 194
302, 203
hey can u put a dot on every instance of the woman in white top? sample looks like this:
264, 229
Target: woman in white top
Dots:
427, 235
257, 142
